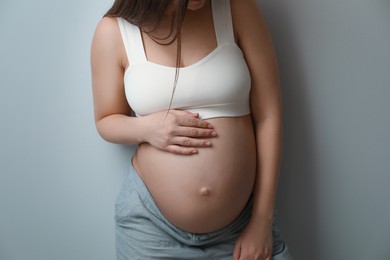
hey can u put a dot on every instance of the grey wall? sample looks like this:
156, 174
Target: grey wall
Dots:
334, 60
58, 179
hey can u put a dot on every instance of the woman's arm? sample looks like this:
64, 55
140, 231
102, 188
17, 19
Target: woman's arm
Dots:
178, 132
112, 112
256, 44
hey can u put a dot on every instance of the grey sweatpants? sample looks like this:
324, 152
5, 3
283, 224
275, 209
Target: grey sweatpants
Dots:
142, 232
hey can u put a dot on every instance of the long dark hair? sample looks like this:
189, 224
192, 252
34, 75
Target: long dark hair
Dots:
149, 13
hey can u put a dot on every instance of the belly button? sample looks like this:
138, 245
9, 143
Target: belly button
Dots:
204, 191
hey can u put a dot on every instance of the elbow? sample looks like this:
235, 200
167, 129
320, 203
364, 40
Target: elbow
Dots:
103, 130
267, 118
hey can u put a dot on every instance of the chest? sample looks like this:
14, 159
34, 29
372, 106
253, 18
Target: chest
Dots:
220, 78
198, 39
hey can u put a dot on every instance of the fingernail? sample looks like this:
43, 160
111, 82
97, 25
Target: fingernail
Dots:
210, 126
194, 151
208, 143
213, 133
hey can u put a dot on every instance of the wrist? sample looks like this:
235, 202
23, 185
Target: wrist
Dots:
142, 129
263, 217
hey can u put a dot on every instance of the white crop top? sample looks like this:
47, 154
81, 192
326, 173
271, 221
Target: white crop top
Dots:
218, 85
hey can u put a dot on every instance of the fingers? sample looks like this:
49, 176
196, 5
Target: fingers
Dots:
180, 150
191, 142
240, 253
186, 146
179, 132
183, 113
194, 122
189, 126
252, 257
194, 132
237, 252
184, 118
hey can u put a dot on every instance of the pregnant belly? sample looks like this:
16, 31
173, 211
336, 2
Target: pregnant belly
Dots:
204, 192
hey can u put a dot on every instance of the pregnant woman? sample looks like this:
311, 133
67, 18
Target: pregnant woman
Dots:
194, 83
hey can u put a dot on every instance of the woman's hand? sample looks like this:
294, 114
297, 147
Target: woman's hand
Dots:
255, 242
178, 132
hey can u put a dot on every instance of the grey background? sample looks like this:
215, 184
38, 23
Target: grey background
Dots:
58, 179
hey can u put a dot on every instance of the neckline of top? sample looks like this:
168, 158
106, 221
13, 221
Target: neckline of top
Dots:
194, 64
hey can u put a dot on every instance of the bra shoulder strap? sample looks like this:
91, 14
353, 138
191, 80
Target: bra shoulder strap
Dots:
223, 23
132, 40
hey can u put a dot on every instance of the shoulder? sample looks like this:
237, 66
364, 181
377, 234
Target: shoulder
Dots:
247, 18
242, 5
243, 8
243, 2
107, 30
107, 39
107, 24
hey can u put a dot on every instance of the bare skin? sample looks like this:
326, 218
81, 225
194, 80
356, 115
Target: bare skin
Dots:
206, 168
203, 192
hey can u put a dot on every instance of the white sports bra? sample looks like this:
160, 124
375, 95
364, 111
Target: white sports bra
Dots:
218, 85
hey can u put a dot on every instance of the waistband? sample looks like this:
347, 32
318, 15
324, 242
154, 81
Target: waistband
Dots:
194, 239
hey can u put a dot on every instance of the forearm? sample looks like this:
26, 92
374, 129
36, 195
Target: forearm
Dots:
121, 129
269, 146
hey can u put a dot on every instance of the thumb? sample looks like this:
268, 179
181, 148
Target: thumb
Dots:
184, 113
